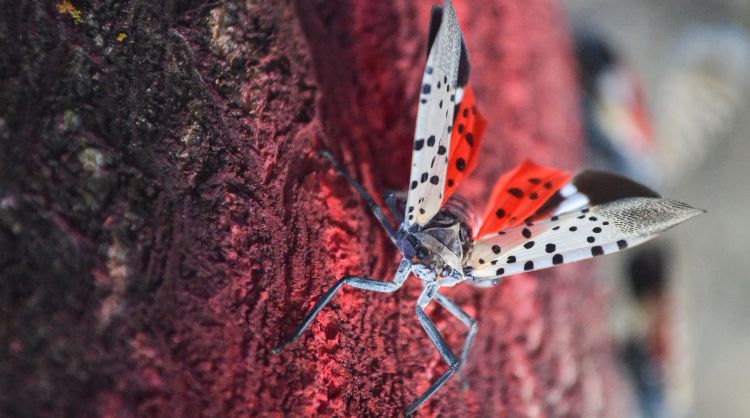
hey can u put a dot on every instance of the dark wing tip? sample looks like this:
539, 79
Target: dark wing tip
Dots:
602, 187
464, 66
436, 18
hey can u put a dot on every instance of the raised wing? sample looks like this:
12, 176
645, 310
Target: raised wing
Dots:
465, 139
519, 194
601, 229
620, 216
432, 137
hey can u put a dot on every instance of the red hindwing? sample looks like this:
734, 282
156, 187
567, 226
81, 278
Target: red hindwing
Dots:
518, 194
468, 128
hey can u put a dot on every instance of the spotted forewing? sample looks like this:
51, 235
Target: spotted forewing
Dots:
432, 136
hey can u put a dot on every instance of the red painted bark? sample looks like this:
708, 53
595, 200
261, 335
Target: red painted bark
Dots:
164, 221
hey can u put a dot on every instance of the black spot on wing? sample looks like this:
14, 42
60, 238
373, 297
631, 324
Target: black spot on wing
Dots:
554, 201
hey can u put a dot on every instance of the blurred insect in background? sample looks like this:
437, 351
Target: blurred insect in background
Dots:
537, 217
700, 91
619, 138
616, 122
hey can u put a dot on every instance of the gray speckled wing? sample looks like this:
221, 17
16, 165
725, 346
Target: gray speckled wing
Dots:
574, 236
433, 130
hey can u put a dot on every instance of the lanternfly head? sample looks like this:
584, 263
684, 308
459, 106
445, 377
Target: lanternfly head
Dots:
412, 249
435, 254
426, 262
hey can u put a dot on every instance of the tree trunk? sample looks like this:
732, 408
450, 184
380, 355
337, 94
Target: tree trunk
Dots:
165, 221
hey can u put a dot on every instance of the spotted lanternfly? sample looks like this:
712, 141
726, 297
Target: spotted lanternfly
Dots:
537, 216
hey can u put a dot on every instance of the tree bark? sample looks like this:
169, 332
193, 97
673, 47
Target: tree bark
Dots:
165, 222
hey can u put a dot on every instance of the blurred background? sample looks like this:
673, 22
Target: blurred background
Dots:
681, 312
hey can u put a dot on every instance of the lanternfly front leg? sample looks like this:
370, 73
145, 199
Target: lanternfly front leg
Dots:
363, 193
391, 199
354, 281
437, 340
466, 320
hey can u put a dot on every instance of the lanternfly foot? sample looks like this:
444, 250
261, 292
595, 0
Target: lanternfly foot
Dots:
356, 282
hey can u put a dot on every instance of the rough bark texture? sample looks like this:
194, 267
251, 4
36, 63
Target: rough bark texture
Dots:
164, 221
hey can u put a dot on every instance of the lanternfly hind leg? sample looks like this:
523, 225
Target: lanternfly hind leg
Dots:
363, 193
466, 320
354, 281
437, 340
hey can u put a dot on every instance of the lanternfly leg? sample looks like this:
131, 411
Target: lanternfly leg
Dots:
390, 197
363, 193
439, 342
354, 281
466, 320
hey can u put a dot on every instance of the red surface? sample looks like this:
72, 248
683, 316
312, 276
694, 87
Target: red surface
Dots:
211, 227
542, 348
